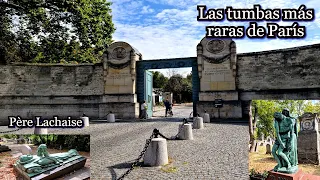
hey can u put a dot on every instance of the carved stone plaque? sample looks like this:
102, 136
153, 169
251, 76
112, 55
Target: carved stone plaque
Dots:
119, 53
307, 125
216, 46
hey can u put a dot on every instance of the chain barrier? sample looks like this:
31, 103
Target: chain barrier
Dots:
135, 164
10, 131
176, 137
154, 134
104, 117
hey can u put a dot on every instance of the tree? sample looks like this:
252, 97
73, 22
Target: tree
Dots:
180, 87
172, 72
264, 116
159, 80
174, 84
312, 108
189, 77
54, 31
252, 124
295, 106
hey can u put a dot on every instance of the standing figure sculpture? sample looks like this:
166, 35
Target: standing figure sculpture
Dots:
285, 147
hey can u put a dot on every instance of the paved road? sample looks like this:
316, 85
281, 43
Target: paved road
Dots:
179, 111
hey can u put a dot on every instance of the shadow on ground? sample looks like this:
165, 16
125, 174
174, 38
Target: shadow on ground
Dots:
126, 165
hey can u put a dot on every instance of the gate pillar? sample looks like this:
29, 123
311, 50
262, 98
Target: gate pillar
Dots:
217, 70
119, 65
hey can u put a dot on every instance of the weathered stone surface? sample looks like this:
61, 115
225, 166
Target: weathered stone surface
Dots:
40, 130
157, 153
186, 132
216, 64
206, 118
111, 118
198, 123
85, 121
211, 96
265, 70
308, 147
309, 139
51, 80
269, 148
25, 149
229, 110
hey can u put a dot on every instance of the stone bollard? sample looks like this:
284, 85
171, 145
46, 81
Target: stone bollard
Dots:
111, 118
186, 132
40, 130
198, 123
157, 153
85, 120
206, 118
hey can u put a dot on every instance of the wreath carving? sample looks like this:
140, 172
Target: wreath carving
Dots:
217, 60
118, 66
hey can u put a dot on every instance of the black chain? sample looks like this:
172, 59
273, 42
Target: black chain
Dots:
10, 131
135, 164
154, 134
176, 136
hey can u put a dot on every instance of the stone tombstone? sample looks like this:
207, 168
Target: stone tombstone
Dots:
268, 149
25, 149
308, 139
120, 68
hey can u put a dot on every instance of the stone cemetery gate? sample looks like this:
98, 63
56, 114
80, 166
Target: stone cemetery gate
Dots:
223, 77
144, 65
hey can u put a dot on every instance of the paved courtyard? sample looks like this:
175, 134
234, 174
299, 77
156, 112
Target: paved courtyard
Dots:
219, 151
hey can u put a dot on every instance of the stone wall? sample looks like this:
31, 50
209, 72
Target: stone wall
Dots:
51, 80
64, 90
293, 68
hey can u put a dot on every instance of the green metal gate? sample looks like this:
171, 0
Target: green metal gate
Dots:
148, 84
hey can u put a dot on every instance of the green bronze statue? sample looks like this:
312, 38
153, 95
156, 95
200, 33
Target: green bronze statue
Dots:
43, 161
285, 148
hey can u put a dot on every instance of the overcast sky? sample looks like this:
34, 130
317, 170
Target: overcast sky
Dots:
169, 28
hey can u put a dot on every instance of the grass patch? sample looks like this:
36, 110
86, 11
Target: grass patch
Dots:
185, 163
170, 169
260, 161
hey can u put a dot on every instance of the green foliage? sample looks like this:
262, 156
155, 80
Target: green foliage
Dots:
254, 173
266, 109
46, 31
312, 108
78, 142
9, 136
159, 80
179, 86
265, 113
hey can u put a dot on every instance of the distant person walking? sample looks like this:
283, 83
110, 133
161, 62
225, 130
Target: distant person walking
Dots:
167, 104
144, 108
